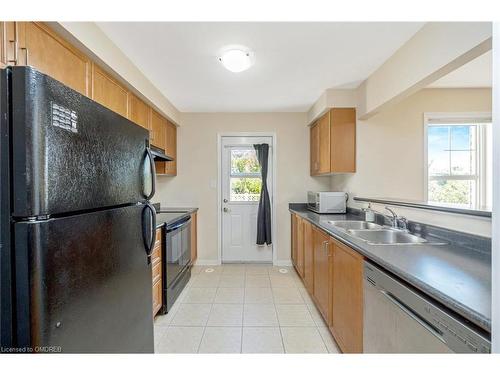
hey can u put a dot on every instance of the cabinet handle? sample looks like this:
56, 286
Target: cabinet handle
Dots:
27, 54
15, 52
325, 244
327, 247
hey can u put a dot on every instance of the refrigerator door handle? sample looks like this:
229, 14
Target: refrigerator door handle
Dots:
153, 173
149, 239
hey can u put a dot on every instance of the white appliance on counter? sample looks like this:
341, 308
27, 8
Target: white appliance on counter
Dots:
327, 202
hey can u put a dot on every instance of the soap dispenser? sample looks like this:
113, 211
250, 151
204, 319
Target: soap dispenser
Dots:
369, 214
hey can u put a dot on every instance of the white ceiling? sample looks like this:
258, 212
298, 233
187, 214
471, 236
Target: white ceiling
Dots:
294, 62
477, 73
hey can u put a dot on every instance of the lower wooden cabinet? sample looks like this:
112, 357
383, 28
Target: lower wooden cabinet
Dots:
156, 272
194, 237
332, 273
322, 273
298, 244
156, 297
294, 220
308, 276
347, 298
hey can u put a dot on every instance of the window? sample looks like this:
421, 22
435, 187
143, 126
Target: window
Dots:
459, 163
245, 179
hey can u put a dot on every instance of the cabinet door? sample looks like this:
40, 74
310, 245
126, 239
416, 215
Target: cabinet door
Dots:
108, 92
347, 298
321, 290
308, 257
314, 149
294, 239
157, 297
300, 247
138, 111
171, 148
343, 140
8, 43
40, 47
324, 144
158, 130
194, 237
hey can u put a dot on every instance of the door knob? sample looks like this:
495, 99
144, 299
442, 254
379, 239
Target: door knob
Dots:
225, 209
225, 200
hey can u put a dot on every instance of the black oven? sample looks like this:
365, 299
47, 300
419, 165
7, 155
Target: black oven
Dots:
177, 258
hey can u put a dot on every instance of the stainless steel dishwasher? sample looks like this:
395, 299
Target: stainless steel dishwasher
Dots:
400, 319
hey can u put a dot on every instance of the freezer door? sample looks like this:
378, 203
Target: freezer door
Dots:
70, 153
83, 283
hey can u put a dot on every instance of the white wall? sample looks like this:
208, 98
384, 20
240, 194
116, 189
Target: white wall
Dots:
197, 171
390, 154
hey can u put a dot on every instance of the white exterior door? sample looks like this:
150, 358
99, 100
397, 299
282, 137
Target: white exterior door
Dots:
241, 182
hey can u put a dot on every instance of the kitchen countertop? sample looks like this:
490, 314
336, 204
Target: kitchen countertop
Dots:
168, 215
458, 277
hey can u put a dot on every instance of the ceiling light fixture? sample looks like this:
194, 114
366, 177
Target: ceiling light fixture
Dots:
236, 59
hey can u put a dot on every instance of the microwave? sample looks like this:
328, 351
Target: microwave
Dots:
327, 202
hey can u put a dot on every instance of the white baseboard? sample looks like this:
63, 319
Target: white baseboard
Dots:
208, 262
211, 262
283, 263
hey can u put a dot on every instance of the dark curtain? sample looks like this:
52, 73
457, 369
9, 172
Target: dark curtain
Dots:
264, 214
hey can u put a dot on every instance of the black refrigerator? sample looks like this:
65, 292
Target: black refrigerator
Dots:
77, 228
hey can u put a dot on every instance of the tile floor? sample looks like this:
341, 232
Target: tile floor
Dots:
239, 308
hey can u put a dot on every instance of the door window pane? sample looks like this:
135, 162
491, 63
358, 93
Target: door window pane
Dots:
244, 162
245, 189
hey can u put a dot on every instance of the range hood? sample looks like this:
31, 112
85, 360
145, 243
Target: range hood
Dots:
159, 154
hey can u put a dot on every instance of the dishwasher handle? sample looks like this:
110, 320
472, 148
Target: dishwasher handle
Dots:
414, 316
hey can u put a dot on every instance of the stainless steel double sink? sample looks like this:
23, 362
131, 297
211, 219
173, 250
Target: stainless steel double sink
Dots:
375, 234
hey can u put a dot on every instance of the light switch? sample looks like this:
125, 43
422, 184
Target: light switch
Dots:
213, 183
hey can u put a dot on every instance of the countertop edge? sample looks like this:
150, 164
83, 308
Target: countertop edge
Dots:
461, 309
183, 212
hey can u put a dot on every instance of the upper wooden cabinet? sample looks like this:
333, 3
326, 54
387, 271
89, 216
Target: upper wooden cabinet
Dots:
347, 298
158, 133
108, 92
8, 43
171, 149
333, 142
138, 111
38, 46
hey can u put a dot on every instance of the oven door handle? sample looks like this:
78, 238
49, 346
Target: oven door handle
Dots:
178, 225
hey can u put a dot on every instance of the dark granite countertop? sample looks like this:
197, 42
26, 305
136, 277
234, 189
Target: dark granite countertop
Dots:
457, 276
169, 215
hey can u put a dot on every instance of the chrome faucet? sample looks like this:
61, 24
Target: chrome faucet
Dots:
394, 218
